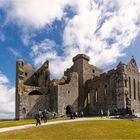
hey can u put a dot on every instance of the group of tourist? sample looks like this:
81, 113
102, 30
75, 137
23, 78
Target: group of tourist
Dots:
107, 112
41, 115
44, 115
74, 115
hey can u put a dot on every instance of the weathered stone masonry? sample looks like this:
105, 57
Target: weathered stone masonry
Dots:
83, 87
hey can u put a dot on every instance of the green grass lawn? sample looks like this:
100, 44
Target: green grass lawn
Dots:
23, 122
87, 130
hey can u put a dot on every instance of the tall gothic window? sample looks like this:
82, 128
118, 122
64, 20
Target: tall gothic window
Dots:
130, 87
105, 90
138, 90
125, 82
88, 98
134, 88
96, 95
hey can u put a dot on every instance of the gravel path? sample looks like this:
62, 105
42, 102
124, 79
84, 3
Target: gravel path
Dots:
49, 123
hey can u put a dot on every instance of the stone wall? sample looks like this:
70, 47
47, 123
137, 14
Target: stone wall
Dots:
85, 71
68, 95
27, 82
111, 90
133, 91
31, 101
83, 87
102, 93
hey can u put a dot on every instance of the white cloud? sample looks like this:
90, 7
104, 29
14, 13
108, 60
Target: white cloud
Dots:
14, 52
7, 98
46, 50
3, 79
36, 13
2, 3
101, 29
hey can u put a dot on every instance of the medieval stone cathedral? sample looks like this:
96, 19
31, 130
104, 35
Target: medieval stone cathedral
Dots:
84, 87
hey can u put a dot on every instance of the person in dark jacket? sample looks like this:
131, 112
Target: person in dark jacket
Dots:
38, 119
45, 116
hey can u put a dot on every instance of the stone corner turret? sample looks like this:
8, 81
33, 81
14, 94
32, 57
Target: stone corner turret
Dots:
81, 56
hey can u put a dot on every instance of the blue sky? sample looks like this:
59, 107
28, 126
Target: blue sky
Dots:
35, 30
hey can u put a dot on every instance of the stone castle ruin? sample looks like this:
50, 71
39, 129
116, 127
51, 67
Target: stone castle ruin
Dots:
83, 87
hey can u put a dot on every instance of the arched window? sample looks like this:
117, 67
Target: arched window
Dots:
26, 74
125, 83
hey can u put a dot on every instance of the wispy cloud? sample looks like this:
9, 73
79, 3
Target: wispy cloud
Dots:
7, 100
101, 29
2, 37
36, 13
14, 52
3, 79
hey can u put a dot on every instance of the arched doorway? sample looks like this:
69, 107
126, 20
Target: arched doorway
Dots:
68, 110
23, 110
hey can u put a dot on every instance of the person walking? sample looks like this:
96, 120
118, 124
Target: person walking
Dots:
45, 115
74, 115
38, 119
71, 115
82, 114
102, 113
108, 113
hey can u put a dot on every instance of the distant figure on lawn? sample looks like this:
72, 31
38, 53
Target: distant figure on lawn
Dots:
38, 118
54, 115
108, 113
102, 113
115, 111
76, 114
71, 115
82, 114
45, 115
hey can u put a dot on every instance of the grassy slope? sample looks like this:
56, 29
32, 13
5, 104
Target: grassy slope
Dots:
23, 122
105, 130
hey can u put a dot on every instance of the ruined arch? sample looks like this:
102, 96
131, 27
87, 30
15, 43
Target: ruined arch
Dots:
35, 92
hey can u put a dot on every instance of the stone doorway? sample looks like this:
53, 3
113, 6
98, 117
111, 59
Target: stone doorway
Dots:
68, 110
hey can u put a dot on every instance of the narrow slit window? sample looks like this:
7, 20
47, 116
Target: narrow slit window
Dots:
125, 82
88, 98
138, 90
134, 88
130, 87
105, 90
